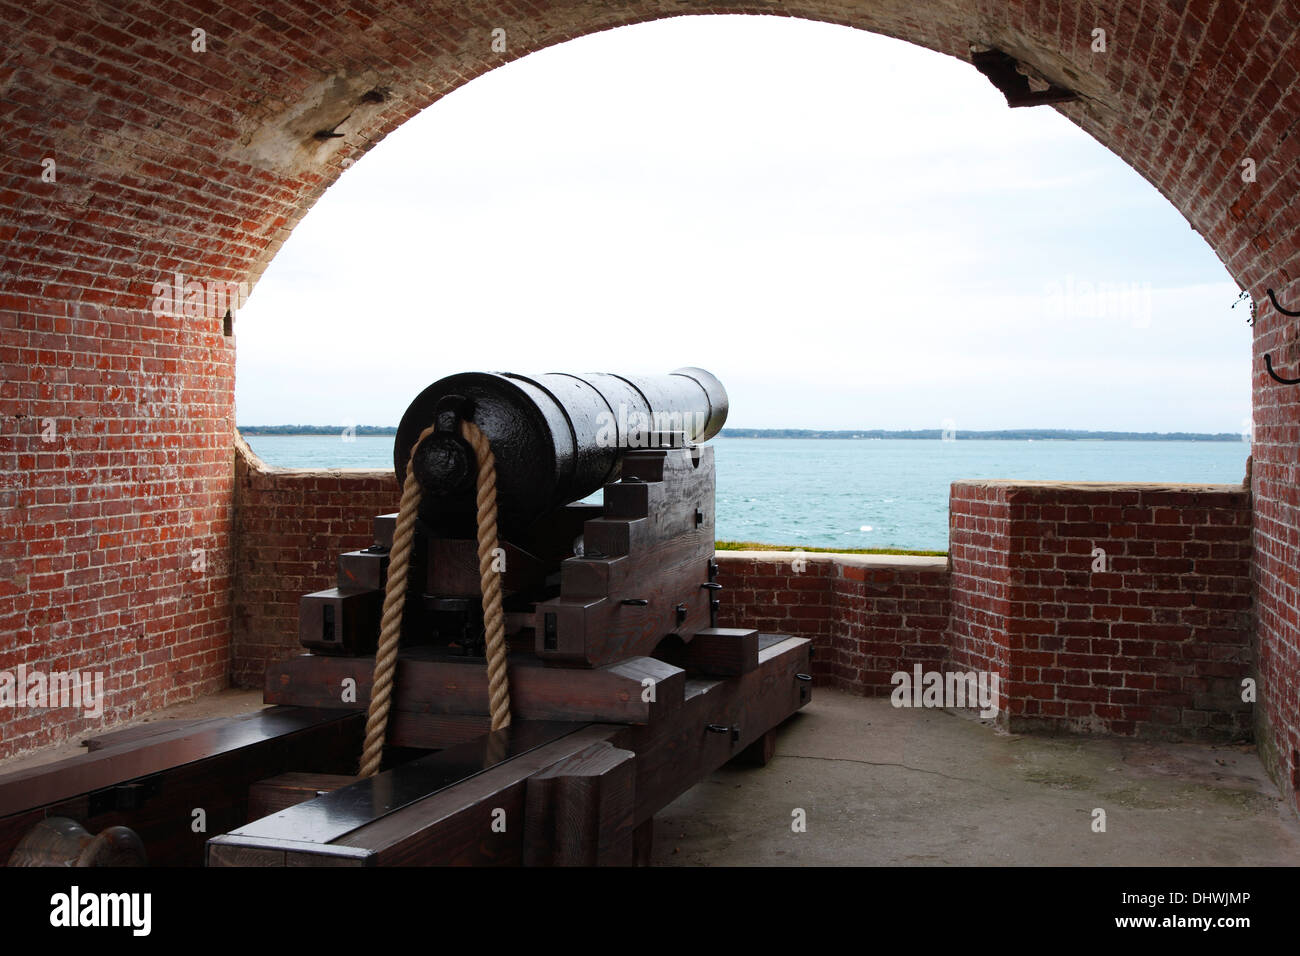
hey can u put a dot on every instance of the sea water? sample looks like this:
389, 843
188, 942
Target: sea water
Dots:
856, 493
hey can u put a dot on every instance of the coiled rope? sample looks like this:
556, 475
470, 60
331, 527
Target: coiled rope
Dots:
399, 560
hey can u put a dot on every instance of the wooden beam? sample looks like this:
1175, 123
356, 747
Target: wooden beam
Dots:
723, 651
426, 685
478, 821
290, 789
578, 812
672, 755
153, 785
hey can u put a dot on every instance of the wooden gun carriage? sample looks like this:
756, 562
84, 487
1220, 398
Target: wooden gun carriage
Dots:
623, 689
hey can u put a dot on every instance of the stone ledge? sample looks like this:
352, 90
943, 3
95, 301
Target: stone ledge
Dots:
1101, 485
911, 562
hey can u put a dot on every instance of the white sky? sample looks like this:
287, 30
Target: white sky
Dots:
849, 231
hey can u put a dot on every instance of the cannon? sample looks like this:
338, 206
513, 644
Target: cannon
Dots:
624, 688
557, 438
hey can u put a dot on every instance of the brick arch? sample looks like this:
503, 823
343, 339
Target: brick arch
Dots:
169, 160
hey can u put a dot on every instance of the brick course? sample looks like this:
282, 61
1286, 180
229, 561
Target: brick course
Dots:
1116, 608
293, 525
868, 616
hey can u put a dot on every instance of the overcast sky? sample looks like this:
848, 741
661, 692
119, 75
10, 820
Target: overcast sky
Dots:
849, 231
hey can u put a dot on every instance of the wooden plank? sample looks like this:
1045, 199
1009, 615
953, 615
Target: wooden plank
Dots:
660, 687
363, 570
245, 856
211, 771
384, 527
653, 547
230, 850
289, 789
674, 754
643, 842
578, 812
597, 630
333, 815
462, 825
340, 619
452, 568
323, 681
610, 694
723, 651
674, 483
129, 735
434, 731
113, 765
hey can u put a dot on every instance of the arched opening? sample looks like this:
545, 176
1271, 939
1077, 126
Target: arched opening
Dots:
869, 240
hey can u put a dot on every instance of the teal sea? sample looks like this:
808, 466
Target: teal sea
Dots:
856, 493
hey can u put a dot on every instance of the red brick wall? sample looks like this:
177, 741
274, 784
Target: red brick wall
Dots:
115, 498
1150, 635
1157, 643
979, 547
868, 616
892, 614
1276, 516
293, 525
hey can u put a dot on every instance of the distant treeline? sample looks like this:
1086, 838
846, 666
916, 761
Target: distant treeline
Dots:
1011, 434
1008, 434
318, 429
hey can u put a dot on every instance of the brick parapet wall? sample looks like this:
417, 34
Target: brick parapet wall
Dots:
1126, 610
1156, 644
292, 526
869, 616
979, 547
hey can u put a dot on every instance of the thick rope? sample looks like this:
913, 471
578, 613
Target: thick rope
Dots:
399, 560
489, 576
390, 628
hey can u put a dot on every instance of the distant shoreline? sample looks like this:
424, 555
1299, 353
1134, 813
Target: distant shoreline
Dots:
934, 434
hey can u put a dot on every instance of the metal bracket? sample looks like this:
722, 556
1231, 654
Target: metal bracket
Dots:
1268, 364
724, 729
1272, 298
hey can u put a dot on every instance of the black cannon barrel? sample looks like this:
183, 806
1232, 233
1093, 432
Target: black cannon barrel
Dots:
556, 437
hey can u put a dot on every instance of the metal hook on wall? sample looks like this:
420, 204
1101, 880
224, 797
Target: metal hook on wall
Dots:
1268, 359
1272, 298
1268, 364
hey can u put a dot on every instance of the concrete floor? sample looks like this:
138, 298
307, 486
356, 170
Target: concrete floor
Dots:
886, 786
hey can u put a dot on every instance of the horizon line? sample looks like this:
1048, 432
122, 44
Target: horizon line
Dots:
806, 431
